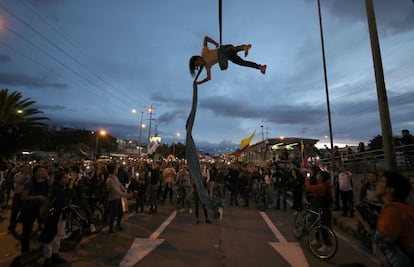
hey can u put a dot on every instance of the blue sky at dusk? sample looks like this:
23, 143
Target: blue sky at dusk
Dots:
89, 63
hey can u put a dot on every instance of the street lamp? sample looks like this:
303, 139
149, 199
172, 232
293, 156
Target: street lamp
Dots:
176, 135
140, 131
101, 132
149, 128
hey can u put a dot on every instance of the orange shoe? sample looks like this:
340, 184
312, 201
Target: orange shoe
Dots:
263, 69
246, 49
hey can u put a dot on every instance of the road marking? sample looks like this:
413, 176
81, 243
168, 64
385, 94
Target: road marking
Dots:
290, 251
141, 247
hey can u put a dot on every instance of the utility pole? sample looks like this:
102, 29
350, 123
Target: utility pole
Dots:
149, 128
326, 81
140, 135
387, 137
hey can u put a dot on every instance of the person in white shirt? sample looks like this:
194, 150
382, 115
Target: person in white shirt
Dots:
346, 191
221, 54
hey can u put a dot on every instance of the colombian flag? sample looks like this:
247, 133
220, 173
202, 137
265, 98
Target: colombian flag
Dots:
304, 157
244, 145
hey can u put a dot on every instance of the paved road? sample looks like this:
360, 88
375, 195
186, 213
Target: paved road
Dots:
245, 237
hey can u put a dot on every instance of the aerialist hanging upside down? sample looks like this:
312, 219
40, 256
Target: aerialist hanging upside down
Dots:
220, 55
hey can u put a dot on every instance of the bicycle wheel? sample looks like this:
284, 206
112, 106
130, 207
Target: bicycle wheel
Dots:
97, 218
322, 242
72, 235
299, 224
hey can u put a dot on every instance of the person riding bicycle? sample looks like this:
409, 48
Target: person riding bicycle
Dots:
321, 195
321, 200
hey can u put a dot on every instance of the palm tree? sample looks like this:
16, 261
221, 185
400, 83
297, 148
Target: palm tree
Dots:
18, 120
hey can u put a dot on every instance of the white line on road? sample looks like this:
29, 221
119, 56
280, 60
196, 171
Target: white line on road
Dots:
143, 246
290, 251
273, 228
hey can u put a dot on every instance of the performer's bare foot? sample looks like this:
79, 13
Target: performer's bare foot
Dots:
246, 49
263, 69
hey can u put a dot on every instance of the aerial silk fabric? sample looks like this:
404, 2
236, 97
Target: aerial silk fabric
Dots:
193, 162
222, 58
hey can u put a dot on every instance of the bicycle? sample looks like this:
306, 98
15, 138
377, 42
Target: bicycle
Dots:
322, 241
77, 225
261, 195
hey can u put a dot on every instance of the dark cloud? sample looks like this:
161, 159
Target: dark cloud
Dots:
4, 59
22, 80
50, 107
392, 17
279, 113
46, 2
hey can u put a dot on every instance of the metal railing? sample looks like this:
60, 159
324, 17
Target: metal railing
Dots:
373, 160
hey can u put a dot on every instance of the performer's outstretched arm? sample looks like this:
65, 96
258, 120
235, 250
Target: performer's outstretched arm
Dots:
208, 77
209, 40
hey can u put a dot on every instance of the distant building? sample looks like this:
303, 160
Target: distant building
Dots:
279, 149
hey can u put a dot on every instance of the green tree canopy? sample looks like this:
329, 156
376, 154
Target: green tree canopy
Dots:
18, 121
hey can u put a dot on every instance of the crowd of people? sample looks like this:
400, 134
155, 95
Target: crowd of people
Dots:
38, 194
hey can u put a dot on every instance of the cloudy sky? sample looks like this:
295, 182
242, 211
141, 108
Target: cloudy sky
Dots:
89, 63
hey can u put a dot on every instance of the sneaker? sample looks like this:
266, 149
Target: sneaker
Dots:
49, 263
92, 228
57, 259
246, 49
314, 242
263, 69
190, 211
208, 221
324, 249
181, 210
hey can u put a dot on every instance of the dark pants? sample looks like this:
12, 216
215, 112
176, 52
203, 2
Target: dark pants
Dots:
230, 52
115, 209
337, 195
297, 197
197, 203
168, 189
139, 200
234, 192
29, 215
347, 198
15, 209
280, 191
153, 191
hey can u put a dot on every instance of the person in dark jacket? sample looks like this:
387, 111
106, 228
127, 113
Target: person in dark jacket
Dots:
60, 194
34, 196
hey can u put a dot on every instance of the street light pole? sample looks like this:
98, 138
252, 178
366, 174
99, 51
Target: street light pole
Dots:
140, 134
326, 80
387, 138
176, 135
149, 129
96, 142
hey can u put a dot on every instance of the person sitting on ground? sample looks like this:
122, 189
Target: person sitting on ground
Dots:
220, 55
393, 236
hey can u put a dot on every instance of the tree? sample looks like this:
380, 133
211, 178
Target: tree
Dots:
18, 122
376, 142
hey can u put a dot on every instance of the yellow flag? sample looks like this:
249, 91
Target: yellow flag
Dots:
246, 142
